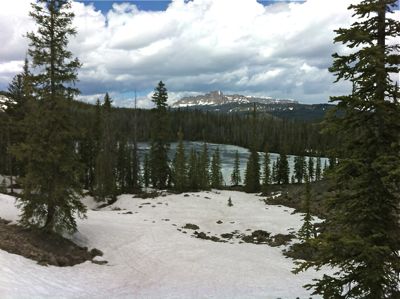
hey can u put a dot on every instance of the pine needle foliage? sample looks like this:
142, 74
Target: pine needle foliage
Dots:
361, 239
51, 184
235, 176
159, 163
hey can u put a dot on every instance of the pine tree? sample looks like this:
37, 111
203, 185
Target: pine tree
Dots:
146, 171
305, 232
179, 166
266, 171
332, 163
135, 178
19, 97
318, 170
361, 236
124, 166
159, 164
90, 148
299, 168
204, 169
326, 167
282, 171
51, 187
235, 177
216, 175
230, 204
194, 171
134, 182
3, 186
274, 171
311, 170
252, 174
106, 161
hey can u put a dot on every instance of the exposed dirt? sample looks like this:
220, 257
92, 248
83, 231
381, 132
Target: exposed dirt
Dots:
264, 237
293, 195
44, 247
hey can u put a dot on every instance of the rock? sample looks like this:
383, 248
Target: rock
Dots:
219, 222
63, 261
96, 252
215, 239
100, 262
190, 226
227, 236
52, 260
201, 235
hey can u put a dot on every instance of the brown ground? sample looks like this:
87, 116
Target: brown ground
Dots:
44, 247
293, 195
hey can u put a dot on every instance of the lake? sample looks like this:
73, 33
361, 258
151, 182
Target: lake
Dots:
227, 153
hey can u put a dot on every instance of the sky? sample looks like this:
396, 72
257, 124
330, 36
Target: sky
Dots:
280, 49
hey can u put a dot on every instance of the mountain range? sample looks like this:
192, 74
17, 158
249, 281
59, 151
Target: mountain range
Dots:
216, 101
217, 98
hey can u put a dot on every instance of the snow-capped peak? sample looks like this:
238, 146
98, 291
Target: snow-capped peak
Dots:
216, 98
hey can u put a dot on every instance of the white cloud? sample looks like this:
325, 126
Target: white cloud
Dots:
241, 46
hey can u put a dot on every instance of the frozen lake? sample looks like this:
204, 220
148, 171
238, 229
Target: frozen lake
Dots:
227, 153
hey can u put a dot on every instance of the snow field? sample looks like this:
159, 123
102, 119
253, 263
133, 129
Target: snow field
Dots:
149, 258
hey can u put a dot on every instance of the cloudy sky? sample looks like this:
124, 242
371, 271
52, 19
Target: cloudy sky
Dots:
264, 48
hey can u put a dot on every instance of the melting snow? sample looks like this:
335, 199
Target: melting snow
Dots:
149, 258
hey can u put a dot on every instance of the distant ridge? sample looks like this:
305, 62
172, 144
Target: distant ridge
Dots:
217, 98
216, 101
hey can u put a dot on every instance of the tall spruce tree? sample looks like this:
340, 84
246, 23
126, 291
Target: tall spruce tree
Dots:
134, 180
310, 168
235, 176
318, 170
282, 169
266, 181
306, 230
19, 97
193, 171
159, 164
51, 187
362, 232
252, 174
106, 161
179, 166
123, 166
146, 171
91, 148
216, 174
274, 170
204, 169
299, 168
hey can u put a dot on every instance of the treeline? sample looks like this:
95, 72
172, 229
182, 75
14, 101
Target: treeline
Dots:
290, 136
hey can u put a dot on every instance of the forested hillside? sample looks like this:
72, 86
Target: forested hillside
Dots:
291, 136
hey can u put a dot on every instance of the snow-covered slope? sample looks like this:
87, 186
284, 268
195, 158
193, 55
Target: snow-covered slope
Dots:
149, 258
